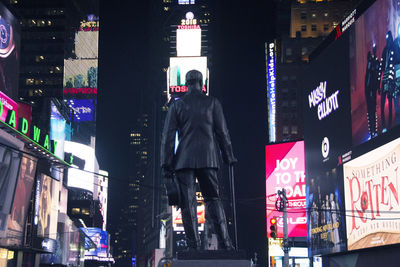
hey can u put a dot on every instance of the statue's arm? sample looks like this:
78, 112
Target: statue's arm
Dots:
168, 138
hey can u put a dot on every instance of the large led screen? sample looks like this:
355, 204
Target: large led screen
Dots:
83, 109
78, 178
284, 166
177, 215
372, 190
9, 53
178, 67
99, 238
22, 196
57, 130
351, 113
47, 211
10, 160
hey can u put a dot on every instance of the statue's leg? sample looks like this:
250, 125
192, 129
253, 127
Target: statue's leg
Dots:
208, 180
186, 182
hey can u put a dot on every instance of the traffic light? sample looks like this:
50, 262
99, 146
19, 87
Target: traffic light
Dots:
273, 227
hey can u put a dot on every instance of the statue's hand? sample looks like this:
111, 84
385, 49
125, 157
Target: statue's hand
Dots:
232, 161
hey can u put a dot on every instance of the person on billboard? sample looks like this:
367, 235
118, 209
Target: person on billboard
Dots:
202, 135
371, 87
386, 77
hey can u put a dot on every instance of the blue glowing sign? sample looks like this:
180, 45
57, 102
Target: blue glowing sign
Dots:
84, 109
271, 90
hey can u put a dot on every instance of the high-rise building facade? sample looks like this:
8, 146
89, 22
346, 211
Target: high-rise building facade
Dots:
309, 23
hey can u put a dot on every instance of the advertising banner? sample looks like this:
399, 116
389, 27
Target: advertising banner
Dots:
201, 212
48, 207
8, 105
178, 67
372, 191
375, 71
57, 130
9, 53
10, 160
285, 169
270, 51
84, 109
99, 238
16, 220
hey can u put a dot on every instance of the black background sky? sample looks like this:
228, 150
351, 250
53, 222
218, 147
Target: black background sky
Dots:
237, 79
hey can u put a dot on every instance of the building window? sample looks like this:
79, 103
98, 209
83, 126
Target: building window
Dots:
303, 15
288, 51
314, 27
303, 28
285, 90
29, 81
285, 130
326, 14
293, 103
326, 27
285, 103
313, 15
285, 78
76, 210
294, 129
292, 77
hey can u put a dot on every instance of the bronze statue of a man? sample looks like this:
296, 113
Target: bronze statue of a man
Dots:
202, 134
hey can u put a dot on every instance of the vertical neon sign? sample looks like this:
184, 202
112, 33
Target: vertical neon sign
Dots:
271, 89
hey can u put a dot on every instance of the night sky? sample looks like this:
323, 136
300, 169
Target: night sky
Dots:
237, 80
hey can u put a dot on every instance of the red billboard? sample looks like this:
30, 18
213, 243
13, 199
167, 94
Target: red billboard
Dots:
284, 168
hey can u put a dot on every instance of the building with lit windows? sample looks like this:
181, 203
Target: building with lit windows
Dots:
301, 26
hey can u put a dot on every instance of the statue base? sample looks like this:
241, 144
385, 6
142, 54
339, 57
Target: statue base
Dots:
211, 255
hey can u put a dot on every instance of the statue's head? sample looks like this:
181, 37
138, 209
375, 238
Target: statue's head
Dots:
194, 80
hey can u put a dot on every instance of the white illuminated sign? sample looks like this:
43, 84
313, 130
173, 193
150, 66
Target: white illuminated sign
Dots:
326, 105
78, 178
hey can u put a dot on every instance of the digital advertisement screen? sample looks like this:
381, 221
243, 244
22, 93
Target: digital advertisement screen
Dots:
9, 53
201, 213
284, 166
178, 67
16, 220
48, 207
188, 41
7, 104
10, 160
78, 178
99, 238
372, 190
351, 116
57, 130
84, 109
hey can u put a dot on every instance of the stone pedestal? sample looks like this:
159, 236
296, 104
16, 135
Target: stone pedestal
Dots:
211, 258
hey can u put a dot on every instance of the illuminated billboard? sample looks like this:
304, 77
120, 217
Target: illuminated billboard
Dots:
177, 215
372, 193
270, 51
9, 53
10, 160
46, 206
188, 37
78, 178
7, 107
351, 116
284, 166
178, 67
83, 109
57, 130
99, 238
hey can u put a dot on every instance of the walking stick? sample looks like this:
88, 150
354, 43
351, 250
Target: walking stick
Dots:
233, 200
